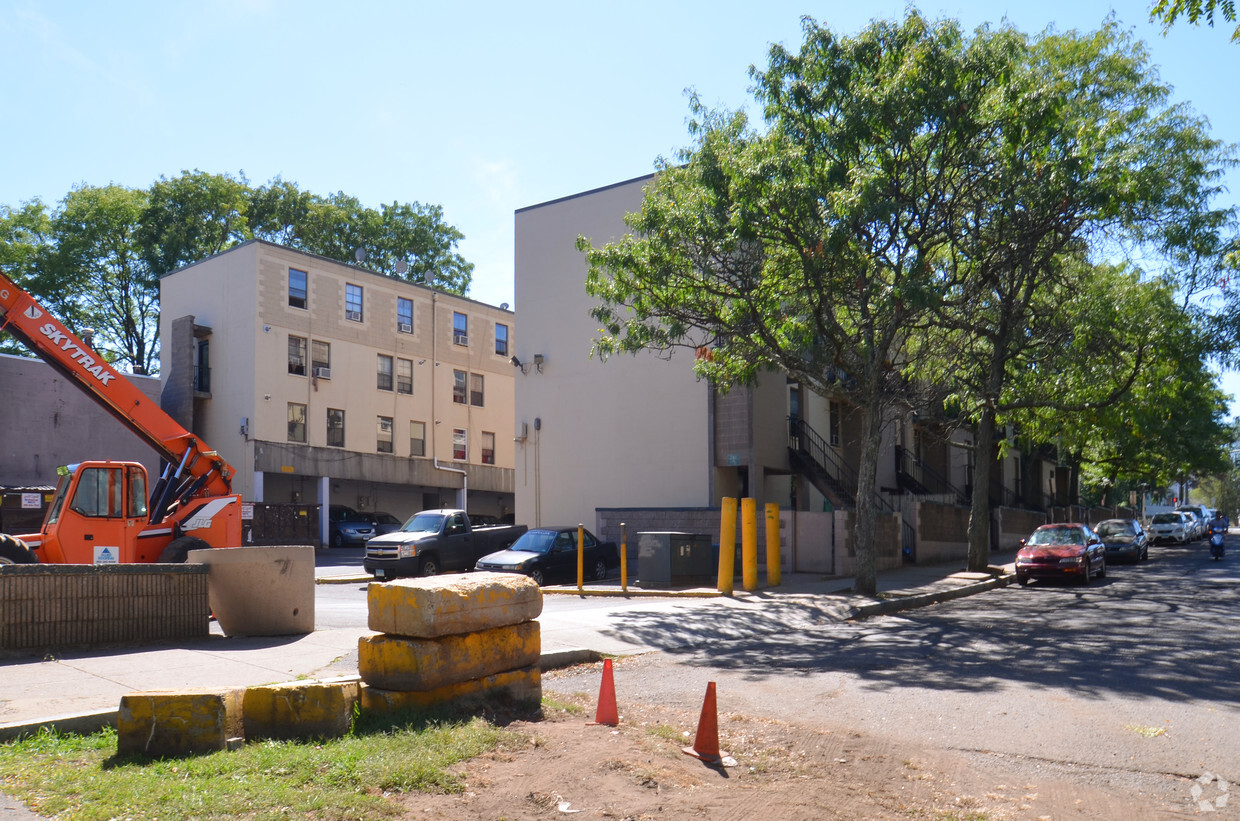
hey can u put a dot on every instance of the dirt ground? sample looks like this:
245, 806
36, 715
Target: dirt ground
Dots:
564, 767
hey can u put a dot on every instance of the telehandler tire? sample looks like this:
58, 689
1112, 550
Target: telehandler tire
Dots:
14, 551
178, 550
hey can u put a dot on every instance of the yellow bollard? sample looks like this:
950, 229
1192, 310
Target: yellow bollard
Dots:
749, 543
624, 558
727, 546
773, 572
581, 554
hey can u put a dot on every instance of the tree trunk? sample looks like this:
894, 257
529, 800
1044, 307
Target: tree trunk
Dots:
979, 513
866, 583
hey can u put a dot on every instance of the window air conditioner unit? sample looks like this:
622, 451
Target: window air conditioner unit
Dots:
356, 316
404, 327
460, 339
322, 373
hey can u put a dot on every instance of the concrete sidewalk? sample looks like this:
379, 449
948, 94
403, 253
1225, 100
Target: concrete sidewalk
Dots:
80, 691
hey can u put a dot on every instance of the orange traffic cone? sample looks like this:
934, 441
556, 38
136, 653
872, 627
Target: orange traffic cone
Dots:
606, 713
706, 742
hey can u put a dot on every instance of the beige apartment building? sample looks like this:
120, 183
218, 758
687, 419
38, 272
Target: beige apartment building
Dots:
328, 383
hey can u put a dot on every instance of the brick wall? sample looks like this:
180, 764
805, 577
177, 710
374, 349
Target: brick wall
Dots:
54, 606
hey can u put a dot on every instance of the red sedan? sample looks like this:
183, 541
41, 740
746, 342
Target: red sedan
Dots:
1061, 551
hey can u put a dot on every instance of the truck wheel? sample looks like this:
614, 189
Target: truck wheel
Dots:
14, 551
429, 566
178, 550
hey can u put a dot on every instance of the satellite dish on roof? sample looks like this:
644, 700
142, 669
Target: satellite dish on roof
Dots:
401, 267
360, 254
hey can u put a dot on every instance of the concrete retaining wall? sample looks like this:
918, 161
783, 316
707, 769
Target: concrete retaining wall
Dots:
52, 606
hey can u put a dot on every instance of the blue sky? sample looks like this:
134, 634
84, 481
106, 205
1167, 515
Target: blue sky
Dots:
482, 108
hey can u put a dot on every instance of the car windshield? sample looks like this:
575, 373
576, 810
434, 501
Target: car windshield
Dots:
424, 523
1057, 536
535, 541
385, 519
1167, 519
1114, 529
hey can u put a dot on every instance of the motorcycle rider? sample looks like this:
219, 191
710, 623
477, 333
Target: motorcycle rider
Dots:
1219, 522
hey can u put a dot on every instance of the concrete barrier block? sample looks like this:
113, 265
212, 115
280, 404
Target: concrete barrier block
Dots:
401, 663
260, 591
449, 605
524, 686
300, 709
170, 723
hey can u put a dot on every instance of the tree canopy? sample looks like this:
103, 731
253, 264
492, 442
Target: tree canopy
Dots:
96, 258
923, 205
1168, 11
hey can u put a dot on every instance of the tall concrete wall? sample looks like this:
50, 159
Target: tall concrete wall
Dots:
47, 421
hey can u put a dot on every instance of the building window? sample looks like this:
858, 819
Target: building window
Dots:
460, 329
404, 376
417, 438
202, 366
404, 315
488, 448
384, 381
321, 359
296, 288
475, 389
297, 355
833, 423
460, 441
335, 428
353, 302
296, 422
501, 339
384, 443
458, 387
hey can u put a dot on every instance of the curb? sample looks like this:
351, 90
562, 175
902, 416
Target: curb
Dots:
88, 723
901, 603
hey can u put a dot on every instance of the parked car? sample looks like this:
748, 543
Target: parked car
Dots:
351, 529
1061, 551
1174, 527
1199, 517
433, 541
1123, 539
549, 554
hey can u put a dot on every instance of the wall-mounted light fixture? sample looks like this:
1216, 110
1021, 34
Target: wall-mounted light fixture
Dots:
538, 361
516, 363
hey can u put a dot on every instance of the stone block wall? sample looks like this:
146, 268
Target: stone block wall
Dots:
53, 606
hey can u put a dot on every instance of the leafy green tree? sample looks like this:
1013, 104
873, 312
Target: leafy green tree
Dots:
814, 248
95, 238
1088, 149
1168, 11
25, 240
338, 226
191, 217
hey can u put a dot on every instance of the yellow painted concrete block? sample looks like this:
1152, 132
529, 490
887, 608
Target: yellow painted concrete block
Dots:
523, 685
449, 605
300, 709
400, 663
169, 723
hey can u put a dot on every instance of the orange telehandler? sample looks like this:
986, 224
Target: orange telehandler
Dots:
101, 512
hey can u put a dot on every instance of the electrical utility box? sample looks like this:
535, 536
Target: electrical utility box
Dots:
666, 560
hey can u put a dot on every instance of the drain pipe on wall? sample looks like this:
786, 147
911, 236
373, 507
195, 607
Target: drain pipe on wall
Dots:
463, 495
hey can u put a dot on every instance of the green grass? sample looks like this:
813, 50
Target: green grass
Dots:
82, 777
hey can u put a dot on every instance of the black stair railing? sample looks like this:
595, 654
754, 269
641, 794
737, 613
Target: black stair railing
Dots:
926, 480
